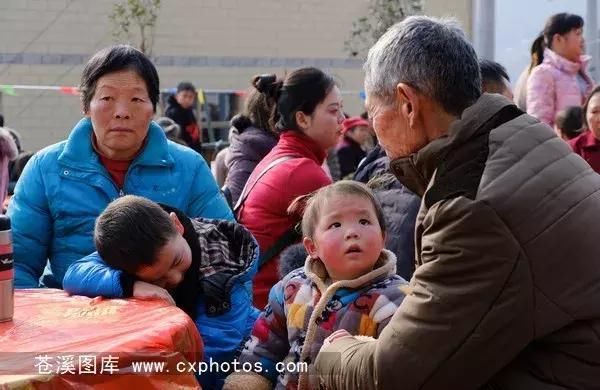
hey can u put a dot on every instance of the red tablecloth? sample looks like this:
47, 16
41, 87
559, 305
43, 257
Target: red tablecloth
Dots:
57, 341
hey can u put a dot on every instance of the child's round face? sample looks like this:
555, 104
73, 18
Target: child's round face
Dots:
171, 263
347, 237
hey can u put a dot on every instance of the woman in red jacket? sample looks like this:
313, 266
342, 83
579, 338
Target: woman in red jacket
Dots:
308, 115
587, 144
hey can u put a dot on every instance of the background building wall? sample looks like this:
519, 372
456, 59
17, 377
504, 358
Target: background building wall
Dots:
216, 44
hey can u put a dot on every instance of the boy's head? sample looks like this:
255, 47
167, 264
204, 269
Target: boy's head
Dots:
568, 123
186, 93
137, 236
494, 78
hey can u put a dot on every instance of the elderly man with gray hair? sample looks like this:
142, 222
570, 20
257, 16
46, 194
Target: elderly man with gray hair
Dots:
506, 294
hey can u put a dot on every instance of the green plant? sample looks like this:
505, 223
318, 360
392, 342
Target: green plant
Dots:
128, 16
381, 14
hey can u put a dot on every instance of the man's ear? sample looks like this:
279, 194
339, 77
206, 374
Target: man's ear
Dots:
408, 102
310, 247
302, 120
178, 226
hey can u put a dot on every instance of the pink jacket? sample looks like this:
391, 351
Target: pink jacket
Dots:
552, 86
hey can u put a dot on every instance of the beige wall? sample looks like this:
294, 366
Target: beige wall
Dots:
217, 44
460, 9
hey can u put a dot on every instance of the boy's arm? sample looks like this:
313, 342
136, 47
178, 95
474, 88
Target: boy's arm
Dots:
90, 276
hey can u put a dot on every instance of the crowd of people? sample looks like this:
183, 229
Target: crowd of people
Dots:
444, 239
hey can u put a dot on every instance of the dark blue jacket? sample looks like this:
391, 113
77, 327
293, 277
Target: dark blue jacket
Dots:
400, 207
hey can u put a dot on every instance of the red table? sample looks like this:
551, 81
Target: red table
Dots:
56, 341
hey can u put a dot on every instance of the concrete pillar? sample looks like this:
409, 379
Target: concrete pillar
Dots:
484, 25
591, 36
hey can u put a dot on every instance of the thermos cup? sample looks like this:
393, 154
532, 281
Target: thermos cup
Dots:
6, 271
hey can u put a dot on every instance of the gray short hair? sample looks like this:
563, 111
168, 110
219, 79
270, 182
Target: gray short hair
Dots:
429, 54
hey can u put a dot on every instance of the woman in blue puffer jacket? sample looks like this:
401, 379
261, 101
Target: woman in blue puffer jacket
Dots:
115, 150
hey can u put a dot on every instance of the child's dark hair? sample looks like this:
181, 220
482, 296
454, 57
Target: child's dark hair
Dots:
311, 206
302, 90
131, 231
561, 24
570, 121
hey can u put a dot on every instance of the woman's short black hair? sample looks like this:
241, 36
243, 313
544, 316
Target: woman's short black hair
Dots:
561, 24
114, 59
302, 90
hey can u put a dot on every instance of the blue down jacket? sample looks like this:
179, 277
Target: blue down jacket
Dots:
216, 290
64, 187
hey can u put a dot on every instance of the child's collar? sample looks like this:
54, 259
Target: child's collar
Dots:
384, 267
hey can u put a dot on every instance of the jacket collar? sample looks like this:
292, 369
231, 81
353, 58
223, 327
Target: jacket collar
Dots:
172, 102
416, 171
384, 268
561, 63
590, 141
294, 142
79, 151
222, 253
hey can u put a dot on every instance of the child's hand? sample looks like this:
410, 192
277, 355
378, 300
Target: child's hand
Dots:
338, 334
145, 290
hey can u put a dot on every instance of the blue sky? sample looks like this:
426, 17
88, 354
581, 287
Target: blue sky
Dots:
517, 24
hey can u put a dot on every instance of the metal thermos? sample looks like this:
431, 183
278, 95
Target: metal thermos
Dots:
7, 273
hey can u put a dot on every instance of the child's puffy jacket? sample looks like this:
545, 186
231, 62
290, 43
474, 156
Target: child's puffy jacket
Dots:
224, 261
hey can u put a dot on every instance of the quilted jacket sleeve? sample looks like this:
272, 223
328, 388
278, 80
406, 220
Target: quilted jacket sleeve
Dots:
31, 224
206, 200
268, 342
444, 327
541, 95
91, 277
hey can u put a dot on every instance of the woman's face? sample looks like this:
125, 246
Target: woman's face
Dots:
360, 134
592, 115
325, 124
121, 111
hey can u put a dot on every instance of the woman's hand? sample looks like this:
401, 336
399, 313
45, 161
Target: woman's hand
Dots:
144, 290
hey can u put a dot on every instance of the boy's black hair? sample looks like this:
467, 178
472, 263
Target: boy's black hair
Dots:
561, 24
492, 71
186, 86
131, 231
492, 76
570, 121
